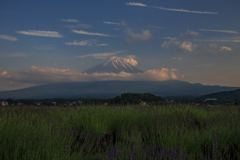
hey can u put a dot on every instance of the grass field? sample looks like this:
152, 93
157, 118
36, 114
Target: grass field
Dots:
120, 132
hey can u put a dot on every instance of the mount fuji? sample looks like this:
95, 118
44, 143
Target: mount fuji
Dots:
114, 65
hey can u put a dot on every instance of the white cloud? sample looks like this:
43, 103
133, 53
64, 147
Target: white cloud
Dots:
46, 75
188, 35
185, 10
41, 33
214, 48
78, 26
136, 4
86, 43
223, 31
70, 20
131, 56
101, 55
169, 9
169, 43
183, 37
133, 62
82, 43
14, 55
114, 23
10, 38
111, 23
129, 60
225, 49
102, 44
217, 40
187, 46
92, 34
132, 37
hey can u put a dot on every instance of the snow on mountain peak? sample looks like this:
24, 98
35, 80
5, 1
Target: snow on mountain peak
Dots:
114, 59
115, 65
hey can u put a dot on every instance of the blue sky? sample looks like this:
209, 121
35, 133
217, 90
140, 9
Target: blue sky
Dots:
54, 41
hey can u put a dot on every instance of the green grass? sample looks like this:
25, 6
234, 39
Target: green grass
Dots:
140, 132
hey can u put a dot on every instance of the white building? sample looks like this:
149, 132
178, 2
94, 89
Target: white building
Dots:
3, 103
210, 99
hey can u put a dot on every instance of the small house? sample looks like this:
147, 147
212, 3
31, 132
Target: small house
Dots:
3, 103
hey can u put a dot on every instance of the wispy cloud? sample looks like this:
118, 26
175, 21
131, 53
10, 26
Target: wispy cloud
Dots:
44, 47
111, 23
102, 44
14, 55
204, 65
188, 35
223, 31
185, 10
37, 75
217, 40
10, 38
41, 33
101, 55
136, 4
82, 43
70, 20
169, 9
177, 58
78, 26
137, 37
183, 37
85, 43
156, 27
92, 34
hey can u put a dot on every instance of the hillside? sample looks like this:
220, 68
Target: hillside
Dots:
222, 97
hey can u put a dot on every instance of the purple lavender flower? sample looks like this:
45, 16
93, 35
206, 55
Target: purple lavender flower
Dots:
172, 153
184, 154
65, 149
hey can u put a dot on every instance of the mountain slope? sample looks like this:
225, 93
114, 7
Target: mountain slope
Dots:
114, 65
110, 89
222, 97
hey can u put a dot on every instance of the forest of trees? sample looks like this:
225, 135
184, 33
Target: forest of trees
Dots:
137, 98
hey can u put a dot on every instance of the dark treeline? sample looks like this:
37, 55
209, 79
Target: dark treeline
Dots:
124, 99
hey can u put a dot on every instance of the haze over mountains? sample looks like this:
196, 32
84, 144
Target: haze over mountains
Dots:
110, 89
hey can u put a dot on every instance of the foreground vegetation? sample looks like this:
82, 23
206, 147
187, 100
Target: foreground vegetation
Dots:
120, 132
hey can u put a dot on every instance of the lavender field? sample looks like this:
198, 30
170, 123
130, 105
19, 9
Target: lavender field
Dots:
168, 132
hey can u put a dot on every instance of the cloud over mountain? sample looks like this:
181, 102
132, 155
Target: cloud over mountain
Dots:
47, 75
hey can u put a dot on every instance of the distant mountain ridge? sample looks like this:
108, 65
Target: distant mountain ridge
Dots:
113, 65
111, 89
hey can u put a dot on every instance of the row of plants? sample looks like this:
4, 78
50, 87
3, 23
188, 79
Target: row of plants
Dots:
120, 132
